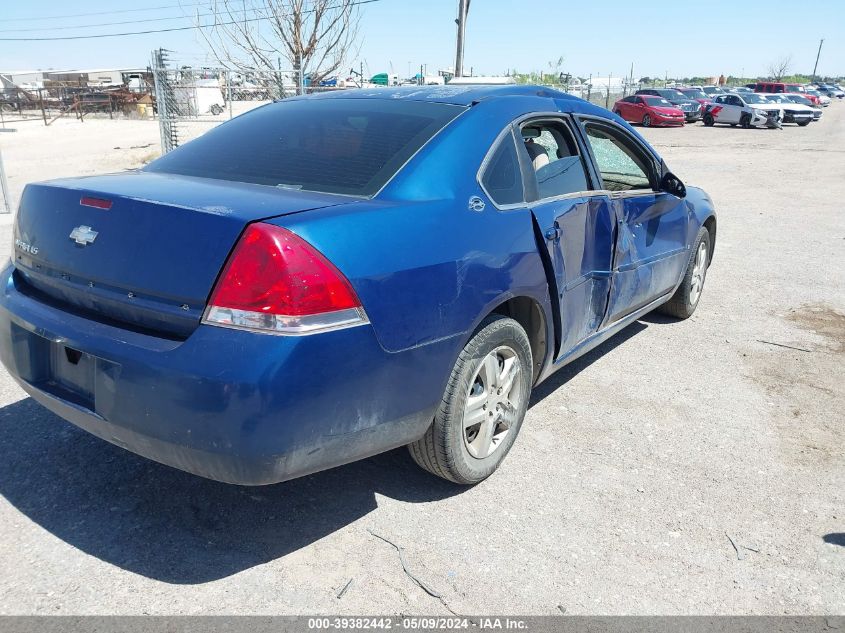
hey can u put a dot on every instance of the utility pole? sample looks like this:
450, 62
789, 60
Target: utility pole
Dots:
463, 9
816, 67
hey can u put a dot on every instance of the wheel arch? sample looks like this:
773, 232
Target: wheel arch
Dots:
529, 313
710, 224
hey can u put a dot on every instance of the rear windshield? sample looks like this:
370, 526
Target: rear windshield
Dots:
348, 146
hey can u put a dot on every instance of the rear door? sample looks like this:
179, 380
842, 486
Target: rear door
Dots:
651, 240
577, 224
723, 111
625, 107
638, 109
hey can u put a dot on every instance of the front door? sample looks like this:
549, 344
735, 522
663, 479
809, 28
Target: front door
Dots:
651, 240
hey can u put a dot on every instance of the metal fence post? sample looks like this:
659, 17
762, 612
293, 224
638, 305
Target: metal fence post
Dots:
228, 75
164, 98
41, 103
4, 187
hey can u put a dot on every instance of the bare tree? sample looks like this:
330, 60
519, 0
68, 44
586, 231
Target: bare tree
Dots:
315, 36
779, 68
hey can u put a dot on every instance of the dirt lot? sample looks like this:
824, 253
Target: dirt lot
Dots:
681, 468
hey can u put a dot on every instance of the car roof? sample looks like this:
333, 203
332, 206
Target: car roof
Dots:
468, 96
464, 95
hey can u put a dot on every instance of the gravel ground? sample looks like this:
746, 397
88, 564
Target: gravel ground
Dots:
681, 468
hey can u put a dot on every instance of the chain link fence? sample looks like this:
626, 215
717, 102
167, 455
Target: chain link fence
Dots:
190, 101
48, 103
603, 94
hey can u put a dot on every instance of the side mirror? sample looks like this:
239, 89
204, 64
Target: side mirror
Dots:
670, 183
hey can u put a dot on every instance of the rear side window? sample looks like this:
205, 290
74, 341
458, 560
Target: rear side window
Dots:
502, 179
553, 154
348, 146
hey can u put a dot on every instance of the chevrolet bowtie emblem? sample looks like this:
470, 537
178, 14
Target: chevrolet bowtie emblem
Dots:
83, 235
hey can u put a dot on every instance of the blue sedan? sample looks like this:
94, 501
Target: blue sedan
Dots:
329, 277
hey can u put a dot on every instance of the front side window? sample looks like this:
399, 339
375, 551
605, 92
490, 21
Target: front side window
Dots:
553, 154
348, 146
502, 179
622, 168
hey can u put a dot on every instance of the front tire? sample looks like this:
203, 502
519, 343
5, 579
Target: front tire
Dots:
803, 123
708, 120
646, 120
484, 405
685, 300
745, 120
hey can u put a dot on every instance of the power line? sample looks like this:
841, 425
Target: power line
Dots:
136, 21
84, 15
168, 30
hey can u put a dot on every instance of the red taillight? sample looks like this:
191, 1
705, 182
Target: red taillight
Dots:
97, 203
274, 280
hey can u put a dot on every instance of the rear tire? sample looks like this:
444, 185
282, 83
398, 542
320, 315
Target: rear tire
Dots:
803, 123
484, 405
708, 120
685, 300
646, 120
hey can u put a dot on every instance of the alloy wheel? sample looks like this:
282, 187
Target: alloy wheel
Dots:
699, 271
492, 402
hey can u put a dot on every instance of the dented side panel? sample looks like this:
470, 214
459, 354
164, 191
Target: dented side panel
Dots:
651, 250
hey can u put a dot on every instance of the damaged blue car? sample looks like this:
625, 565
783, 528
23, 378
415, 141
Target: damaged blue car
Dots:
329, 277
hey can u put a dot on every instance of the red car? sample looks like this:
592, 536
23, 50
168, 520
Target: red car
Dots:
648, 110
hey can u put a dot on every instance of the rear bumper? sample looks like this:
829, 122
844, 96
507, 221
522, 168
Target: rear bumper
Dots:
229, 405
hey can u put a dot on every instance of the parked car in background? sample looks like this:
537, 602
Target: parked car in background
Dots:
796, 98
696, 94
712, 91
690, 107
748, 110
818, 98
829, 90
777, 87
648, 110
792, 112
370, 275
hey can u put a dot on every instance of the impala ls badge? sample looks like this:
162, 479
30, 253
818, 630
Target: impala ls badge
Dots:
83, 235
26, 248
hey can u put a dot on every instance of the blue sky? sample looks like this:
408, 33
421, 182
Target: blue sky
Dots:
599, 38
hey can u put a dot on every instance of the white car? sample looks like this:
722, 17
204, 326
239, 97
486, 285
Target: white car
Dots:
712, 91
747, 110
794, 111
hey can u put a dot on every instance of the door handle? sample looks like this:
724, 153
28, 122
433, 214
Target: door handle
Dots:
553, 234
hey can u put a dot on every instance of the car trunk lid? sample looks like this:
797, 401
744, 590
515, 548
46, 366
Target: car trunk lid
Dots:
141, 248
